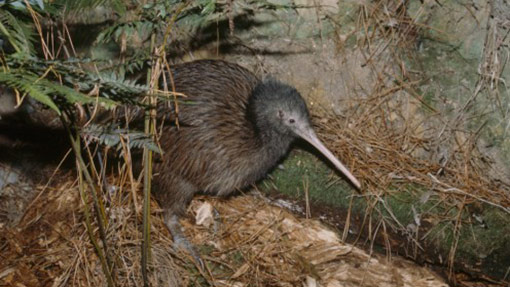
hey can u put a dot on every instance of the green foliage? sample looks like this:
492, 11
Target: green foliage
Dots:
19, 34
111, 135
151, 18
58, 6
68, 83
21, 5
142, 28
114, 86
27, 84
52, 94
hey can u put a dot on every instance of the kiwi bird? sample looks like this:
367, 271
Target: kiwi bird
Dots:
233, 129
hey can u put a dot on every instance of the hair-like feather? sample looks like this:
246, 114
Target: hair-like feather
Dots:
231, 131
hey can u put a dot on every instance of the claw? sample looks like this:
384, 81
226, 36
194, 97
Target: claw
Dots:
182, 243
180, 240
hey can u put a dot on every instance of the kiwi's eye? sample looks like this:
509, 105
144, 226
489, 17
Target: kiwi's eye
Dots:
292, 121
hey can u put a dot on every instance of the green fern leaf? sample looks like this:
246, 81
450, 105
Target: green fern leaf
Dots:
110, 135
28, 86
20, 35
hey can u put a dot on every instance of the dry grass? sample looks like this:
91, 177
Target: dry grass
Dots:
256, 244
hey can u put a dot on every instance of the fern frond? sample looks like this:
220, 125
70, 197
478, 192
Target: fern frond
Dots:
72, 96
76, 8
48, 92
111, 135
141, 29
120, 89
27, 86
19, 34
72, 5
113, 86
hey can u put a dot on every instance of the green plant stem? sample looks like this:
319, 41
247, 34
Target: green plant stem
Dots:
106, 262
90, 232
147, 157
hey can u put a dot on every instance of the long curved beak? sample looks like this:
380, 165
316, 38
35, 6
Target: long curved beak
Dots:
307, 133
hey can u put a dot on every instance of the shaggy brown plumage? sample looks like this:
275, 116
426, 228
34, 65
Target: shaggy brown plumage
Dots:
234, 127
